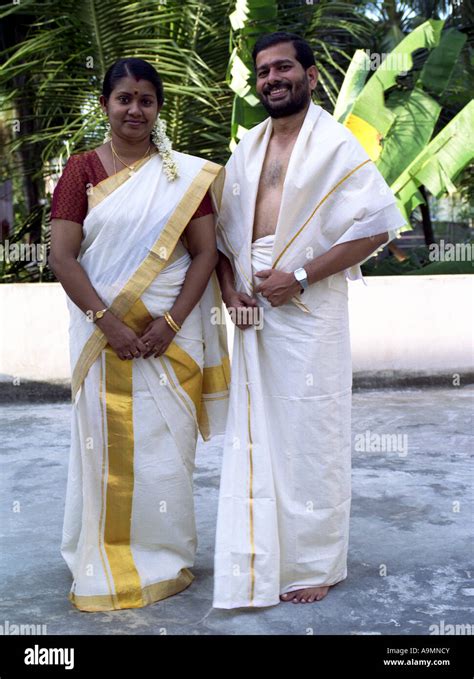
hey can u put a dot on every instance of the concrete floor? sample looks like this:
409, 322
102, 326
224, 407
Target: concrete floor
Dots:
410, 558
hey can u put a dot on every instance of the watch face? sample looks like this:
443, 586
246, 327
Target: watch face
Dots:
302, 278
300, 274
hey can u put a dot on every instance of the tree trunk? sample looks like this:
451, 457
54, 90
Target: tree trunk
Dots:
426, 219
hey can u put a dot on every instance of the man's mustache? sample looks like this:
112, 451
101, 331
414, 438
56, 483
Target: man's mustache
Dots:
279, 86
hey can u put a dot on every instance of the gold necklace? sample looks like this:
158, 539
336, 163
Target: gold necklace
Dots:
131, 167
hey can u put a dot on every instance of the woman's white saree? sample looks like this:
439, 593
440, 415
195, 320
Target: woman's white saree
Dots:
129, 535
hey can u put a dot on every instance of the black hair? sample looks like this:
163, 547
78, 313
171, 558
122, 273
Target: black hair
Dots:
136, 68
304, 53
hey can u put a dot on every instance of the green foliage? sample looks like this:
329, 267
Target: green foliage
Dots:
55, 53
52, 78
417, 263
396, 113
333, 29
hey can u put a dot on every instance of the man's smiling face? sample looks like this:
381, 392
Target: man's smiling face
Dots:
283, 85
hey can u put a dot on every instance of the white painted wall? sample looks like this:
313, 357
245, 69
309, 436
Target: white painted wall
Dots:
400, 323
419, 323
34, 322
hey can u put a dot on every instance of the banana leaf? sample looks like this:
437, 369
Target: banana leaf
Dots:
352, 85
440, 162
417, 111
370, 118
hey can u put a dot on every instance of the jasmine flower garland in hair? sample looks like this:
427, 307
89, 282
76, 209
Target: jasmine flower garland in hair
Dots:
163, 144
108, 133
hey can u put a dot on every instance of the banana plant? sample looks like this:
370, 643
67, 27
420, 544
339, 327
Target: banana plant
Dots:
439, 163
396, 114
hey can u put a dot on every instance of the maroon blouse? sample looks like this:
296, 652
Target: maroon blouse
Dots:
82, 171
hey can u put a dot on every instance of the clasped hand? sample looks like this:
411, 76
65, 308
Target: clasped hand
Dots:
153, 341
278, 286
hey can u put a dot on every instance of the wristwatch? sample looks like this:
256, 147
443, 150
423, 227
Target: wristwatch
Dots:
99, 314
302, 278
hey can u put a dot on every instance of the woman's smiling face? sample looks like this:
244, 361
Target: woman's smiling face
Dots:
132, 108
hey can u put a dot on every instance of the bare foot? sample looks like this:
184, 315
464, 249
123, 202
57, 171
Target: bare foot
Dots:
303, 596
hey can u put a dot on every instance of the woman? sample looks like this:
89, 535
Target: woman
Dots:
133, 245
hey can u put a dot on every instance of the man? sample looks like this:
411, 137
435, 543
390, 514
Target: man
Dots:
302, 206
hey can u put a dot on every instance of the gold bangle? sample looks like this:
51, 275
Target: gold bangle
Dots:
176, 326
171, 322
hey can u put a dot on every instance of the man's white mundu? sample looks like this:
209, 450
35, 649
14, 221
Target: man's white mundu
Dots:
283, 519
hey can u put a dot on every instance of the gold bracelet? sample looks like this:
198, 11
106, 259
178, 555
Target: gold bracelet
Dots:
171, 322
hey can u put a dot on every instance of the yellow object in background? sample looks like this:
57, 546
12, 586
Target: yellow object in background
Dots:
367, 135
